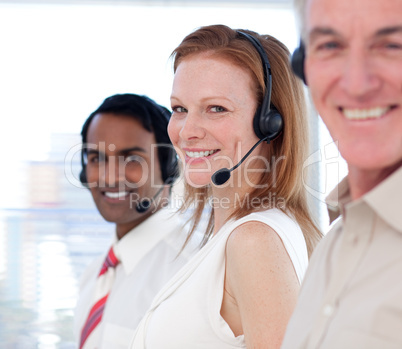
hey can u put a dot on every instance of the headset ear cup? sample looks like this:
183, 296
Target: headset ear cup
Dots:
271, 125
83, 173
256, 124
172, 175
297, 62
83, 177
267, 122
172, 166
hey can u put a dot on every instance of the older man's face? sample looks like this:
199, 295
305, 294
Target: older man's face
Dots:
354, 71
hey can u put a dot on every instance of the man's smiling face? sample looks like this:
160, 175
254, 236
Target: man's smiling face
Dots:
354, 71
122, 167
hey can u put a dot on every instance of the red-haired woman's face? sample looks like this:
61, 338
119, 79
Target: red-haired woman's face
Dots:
213, 103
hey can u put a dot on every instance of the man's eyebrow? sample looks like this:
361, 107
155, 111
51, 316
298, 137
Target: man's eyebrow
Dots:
389, 30
122, 151
320, 31
132, 149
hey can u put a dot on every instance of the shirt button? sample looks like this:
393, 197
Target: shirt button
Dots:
328, 310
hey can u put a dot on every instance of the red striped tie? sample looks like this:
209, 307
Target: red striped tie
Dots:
95, 315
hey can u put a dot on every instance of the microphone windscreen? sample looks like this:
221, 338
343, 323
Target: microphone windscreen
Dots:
143, 206
221, 176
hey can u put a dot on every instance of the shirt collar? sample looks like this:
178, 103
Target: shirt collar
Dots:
337, 199
385, 199
139, 241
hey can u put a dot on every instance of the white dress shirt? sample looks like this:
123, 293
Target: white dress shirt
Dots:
150, 256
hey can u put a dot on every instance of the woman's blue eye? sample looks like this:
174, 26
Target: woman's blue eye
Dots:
218, 109
179, 109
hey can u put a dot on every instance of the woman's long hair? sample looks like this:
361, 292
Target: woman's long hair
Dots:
291, 146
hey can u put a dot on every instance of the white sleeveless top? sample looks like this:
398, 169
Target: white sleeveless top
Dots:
186, 312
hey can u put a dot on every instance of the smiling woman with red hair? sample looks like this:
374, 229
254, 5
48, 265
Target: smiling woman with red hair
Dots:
240, 289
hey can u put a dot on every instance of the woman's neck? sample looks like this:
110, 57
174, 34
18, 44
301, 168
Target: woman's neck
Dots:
225, 201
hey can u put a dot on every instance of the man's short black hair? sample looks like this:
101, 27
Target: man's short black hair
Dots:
154, 118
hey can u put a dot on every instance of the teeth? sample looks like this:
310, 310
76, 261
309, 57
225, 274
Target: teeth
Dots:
117, 195
362, 114
200, 154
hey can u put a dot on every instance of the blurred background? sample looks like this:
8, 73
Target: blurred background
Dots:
58, 61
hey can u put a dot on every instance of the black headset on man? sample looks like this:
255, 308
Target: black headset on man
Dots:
297, 61
267, 122
152, 116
